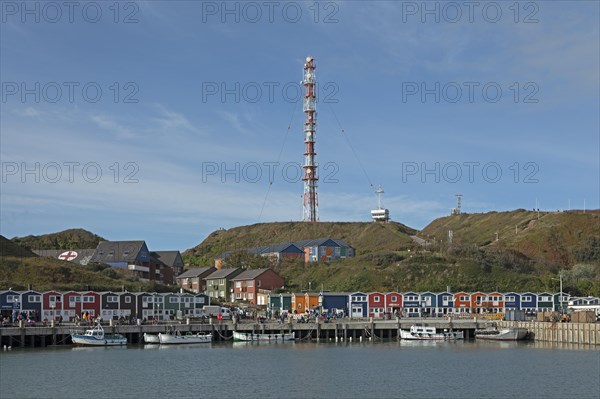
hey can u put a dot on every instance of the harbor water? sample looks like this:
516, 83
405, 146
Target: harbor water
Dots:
305, 370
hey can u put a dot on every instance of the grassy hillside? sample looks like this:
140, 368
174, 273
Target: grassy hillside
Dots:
9, 248
68, 239
556, 237
47, 273
20, 268
364, 237
388, 259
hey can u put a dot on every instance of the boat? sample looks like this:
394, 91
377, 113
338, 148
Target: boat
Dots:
151, 338
502, 334
248, 336
188, 338
97, 337
422, 333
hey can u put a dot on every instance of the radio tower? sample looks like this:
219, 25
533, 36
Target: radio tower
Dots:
311, 202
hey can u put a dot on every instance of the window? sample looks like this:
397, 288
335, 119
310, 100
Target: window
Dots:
238, 295
238, 284
127, 299
376, 299
147, 299
88, 298
173, 299
34, 298
250, 295
12, 298
222, 281
258, 283
112, 298
526, 298
52, 298
250, 283
464, 298
394, 298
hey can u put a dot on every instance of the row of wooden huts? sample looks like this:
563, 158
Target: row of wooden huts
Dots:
48, 305
422, 304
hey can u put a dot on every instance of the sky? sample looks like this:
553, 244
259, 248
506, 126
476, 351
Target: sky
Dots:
166, 120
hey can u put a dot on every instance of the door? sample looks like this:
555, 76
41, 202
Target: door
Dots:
357, 311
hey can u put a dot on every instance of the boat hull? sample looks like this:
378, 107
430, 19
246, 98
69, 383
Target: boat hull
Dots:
151, 338
169, 339
87, 341
446, 336
249, 337
505, 334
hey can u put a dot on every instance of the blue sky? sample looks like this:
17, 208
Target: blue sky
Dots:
186, 95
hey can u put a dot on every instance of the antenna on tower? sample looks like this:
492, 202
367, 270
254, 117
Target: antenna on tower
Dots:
310, 200
380, 214
457, 211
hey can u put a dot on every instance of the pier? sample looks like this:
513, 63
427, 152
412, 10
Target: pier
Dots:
559, 333
340, 330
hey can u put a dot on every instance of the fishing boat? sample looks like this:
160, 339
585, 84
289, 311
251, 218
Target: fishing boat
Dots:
97, 337
248, 336
502, 334
151, 338
422, 333
188, 338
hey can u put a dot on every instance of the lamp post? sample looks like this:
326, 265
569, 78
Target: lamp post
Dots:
560, 298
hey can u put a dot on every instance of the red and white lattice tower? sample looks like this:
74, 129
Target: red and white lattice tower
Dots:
310, 178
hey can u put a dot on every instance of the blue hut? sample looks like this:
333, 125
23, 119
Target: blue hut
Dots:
512, 301
529, 301
31, 304
445, 303
333, 303
411, 304
10, 301
428, 303
358, 305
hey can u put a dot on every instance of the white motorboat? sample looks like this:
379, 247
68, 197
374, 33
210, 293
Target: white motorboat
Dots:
502, 334
151, 338
422, 333
187, 338
97, 337
248, 336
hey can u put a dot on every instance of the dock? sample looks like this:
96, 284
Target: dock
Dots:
345, 330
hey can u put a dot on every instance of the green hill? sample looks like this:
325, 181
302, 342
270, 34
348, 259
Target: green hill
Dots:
9, 248
556, 237
364, 237
19, 268
67, 239
388, 259
46, 273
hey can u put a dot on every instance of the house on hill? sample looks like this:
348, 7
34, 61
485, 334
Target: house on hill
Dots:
193, 279
315, 250
247, 284
275, 253
218, 283
325, 250
133, 256
172, 259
